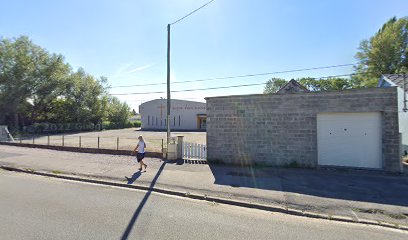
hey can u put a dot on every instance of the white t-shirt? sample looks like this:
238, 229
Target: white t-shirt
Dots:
141, 148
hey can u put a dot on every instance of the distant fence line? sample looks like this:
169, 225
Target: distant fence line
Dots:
109, 143
46, 128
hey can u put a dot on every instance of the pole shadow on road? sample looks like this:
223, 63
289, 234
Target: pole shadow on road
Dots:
142, 203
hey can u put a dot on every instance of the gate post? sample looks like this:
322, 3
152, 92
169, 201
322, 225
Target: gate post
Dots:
180, 147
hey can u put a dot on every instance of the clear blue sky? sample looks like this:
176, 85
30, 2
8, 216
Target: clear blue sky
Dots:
126, 40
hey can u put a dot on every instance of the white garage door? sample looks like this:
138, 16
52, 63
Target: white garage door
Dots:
349, 139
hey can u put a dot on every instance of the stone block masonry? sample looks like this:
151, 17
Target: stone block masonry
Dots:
281, 129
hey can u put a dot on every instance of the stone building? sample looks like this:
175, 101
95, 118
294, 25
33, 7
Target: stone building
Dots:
350, 128
400, 81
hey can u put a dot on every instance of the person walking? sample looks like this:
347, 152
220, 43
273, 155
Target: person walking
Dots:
140, 148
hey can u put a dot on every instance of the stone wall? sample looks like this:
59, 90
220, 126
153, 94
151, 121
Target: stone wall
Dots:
281, 129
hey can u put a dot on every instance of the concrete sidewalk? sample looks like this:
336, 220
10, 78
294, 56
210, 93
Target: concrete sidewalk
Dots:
354, 195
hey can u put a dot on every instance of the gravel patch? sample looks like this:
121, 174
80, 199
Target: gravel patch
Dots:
122, 139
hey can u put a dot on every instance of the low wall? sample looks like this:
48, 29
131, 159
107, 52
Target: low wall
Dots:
83, 150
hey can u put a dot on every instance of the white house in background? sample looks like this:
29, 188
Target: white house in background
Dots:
184, 115
400, 81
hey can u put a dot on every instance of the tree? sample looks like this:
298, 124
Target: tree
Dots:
273, 85
39, 87
384, 53
19, 75
51, 84
328, 84
313, 84
118, 112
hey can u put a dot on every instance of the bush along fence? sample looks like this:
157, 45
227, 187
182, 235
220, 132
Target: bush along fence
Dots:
77, 143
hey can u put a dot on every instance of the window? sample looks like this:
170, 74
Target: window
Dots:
161, 122
174, 122
179, 120
148, 120
157, 121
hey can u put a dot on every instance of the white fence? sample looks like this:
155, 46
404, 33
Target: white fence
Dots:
194, 151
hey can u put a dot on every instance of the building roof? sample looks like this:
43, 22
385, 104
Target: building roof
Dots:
394, 80
292, 86
172, 101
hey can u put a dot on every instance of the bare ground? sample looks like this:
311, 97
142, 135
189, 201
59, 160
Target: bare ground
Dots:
123, 139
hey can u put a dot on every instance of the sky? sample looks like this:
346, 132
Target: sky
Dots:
126, 40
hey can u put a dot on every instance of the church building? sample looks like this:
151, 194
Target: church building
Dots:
184, 115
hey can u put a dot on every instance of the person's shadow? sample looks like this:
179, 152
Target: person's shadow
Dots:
135, 176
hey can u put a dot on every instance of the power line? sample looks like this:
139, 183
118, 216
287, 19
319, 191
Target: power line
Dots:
239, 76
191, 12
150, 99
225, 87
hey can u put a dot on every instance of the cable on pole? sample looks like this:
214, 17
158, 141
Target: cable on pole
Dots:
240, 76
233, 86
191, 12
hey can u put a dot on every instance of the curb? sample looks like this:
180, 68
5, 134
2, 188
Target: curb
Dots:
220, 200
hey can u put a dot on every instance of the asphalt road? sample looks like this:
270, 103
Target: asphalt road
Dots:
34, 207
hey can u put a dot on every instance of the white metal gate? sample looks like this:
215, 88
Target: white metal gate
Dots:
194, 151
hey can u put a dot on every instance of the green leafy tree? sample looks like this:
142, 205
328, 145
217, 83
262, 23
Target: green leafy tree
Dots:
328, 84
118, 112
83, 98
39, 87
51, 84
313, 84
16, 69
384, 53
273, 85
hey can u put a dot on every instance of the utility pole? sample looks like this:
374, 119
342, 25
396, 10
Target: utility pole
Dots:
168, 85
168, 70
404, 87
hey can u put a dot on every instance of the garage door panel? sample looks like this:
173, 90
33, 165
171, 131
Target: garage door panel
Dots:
349, 139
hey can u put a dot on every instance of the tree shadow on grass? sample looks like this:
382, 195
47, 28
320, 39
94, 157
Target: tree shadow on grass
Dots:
133, 220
